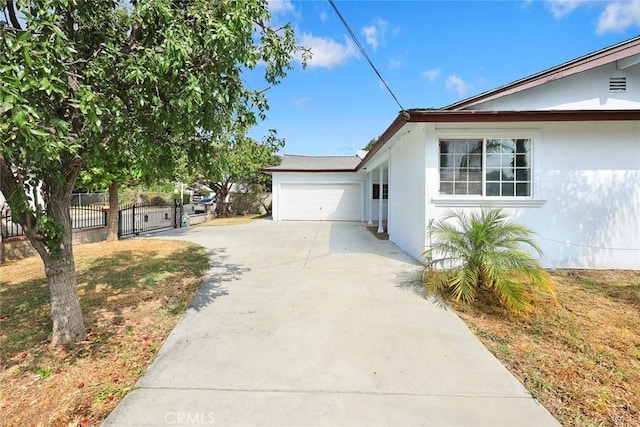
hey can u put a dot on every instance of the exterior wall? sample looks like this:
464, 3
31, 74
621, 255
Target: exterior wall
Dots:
375, 210
13, 248
407, 193
588, 90
585, 206
280, 178
89, 235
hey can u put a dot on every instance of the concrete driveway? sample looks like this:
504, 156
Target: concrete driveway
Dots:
317, 323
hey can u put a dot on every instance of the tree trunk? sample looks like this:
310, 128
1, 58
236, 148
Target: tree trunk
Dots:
68, 325
112, 226
222, 191
59, 263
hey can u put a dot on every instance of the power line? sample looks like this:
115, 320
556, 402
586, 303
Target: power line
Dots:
364, 53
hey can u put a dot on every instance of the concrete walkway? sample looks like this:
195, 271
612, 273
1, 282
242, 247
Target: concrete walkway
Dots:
316, 323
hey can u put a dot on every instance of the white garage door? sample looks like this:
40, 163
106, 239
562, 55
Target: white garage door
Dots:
340, 202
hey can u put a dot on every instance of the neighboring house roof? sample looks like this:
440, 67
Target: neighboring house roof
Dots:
627, 53
291, 163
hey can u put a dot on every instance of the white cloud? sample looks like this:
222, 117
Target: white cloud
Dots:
457, 84
281, 6
371, 36
395, 63
618, 16
561, 8
324, 16
375, 33
432, 75
327, 52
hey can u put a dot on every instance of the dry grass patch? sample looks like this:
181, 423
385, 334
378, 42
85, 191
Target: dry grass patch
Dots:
580, 356
232, 220
132, 293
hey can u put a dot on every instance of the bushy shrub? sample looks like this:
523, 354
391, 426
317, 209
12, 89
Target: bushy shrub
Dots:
155, 198
484, 250
186, 198
247, 202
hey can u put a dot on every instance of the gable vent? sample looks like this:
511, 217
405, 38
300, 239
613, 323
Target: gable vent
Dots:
617, 84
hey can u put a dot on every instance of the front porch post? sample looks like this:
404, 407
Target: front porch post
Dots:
370, 195
380, 198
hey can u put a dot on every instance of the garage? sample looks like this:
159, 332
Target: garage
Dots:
316, 201
318, 188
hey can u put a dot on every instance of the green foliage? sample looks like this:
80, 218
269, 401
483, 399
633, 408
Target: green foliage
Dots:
44, 373
128, 87
186, 198
484, 250
371, 143
52, 232
238, 159
109, 393
125, 89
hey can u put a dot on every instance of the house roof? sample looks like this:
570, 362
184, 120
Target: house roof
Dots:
628, 51
292, 163
626, 54
481, 116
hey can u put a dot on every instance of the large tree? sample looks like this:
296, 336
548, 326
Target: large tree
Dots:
237, 159
133, 164
371, 143
81, 80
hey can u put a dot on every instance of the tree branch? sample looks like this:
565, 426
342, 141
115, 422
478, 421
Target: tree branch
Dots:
10, 186
134, 36
261, 91
12, 15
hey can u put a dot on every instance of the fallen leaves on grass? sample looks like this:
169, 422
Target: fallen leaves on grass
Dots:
132, 293
579, 355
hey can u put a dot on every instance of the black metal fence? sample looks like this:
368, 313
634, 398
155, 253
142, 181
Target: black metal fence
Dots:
132, 219
9, 227
88, 216
81, 217
140, 218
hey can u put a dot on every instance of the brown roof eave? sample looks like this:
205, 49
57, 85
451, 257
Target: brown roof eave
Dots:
269, 170
468, 116
471, 116
386, 136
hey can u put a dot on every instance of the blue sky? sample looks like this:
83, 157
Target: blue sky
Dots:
431, 54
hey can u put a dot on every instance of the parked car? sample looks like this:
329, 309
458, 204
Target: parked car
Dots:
201, 207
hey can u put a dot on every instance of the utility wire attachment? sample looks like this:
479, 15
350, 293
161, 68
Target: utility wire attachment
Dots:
405, 113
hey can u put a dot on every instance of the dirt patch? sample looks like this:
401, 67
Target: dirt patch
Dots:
379, 236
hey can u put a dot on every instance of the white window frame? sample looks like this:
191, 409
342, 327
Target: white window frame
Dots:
475, 200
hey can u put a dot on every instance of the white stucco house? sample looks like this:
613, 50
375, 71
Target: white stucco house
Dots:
560, 150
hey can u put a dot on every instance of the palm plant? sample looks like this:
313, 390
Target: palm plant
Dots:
484, 250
